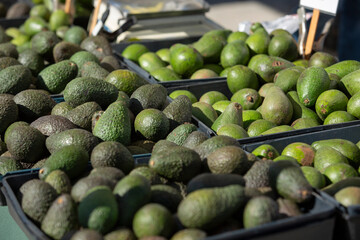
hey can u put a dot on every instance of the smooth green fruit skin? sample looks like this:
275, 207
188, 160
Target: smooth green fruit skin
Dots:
98, 210
287, 79
204, 112
260, 210
345, 147
210, 47
343, 68
266, 151
276, 107
322, 59
326, 156
150, 61
189, 234
339, 117
75, 34
283, 46
185, 60
164, 74
125, 80
330, 101
314, 177
300, 111
351, 82
134, 51
34, 25
348, 196
278, 129
55, 77
57, 19
212, 97
234, 36
258, 42
70, 159
235, 53
267, 66
187, 93
232, 130
339, 171
231, 114
353, 106
239, 77
302, 123
211, 144
257, 127
302, 152
220, 106
311, 83
250, 116
207, 208
153, 220
164, 54
152, 124
248, 98
114, 124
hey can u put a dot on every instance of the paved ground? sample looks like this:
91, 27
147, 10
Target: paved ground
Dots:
229, 13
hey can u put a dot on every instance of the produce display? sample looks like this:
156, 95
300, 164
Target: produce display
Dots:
331, 165
173, 197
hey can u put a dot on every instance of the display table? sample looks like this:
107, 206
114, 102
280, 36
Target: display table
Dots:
8, 228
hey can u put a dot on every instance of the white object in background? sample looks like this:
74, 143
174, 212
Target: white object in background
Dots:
326, 6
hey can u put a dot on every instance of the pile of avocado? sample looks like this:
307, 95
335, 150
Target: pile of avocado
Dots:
193, 192
271, 94
332, 165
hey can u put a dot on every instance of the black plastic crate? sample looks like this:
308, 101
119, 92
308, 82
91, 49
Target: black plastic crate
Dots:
200, 88
154, 45
316, 224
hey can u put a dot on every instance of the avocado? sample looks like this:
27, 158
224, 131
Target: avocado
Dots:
83, 185
343, 68
326, 156
86, 89
339, 117
58, 18
351, 82
348, 196
302, 123
208, 146
203, 73
232, 114
4, 36
11, 127
197, 209
185, 60
210, 47
75, 34
125, 80
86, 234
8, 61
258, 42
180, 133
61, 109
204, 112
110, 63
289, 181
55, 77
52, 124
149, 61
302, 152
257, 175
59, 181
64, 50
98, 210
74, 137
37, 197
189, 234
26, 144
177, 164
179, 111
330, 101
44, 42
164, 54
8, 164
235, 53
250, 116
284, 46
167, 196
60, 218
132, 192
32, 60
314, 177
278, 129
97, 45
260, 210
82, 57
134, 51
33, 104
237, 36
228, 159
148, 173
239, 77
148, 96
232, 130
211, 180
151, 124
110, 173
14, 79
322, 59
93, 69
70, 159
300, 111
82, 114
259, 126
286, 79
8, 111
153, 220
164, 74
339, 171
120, 234
248, 98
345, 147
220, 106
194, 139
40, 11
353, 105
34, 25
276, 107
112, 154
